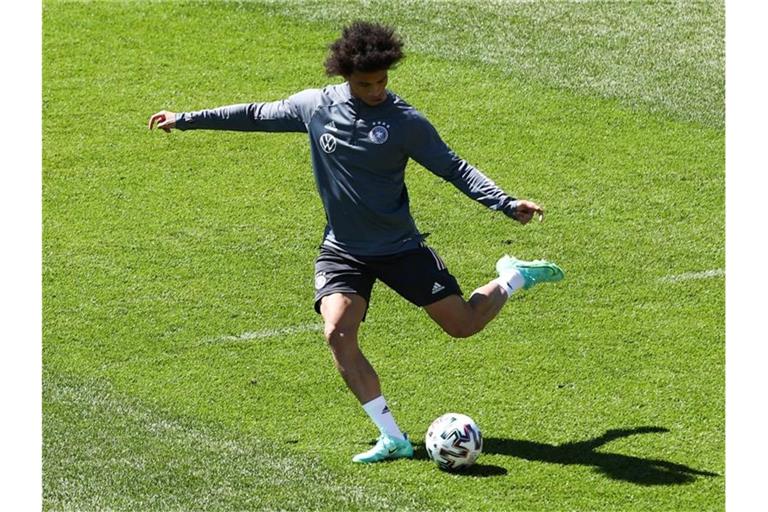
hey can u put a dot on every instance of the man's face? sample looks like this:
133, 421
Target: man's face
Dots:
369, 87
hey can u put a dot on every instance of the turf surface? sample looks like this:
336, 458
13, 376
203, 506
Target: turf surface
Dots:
183, 367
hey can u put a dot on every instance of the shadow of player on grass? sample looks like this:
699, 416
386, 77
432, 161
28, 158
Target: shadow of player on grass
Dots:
628, 468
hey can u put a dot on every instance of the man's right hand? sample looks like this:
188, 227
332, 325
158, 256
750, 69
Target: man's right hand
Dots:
164, 119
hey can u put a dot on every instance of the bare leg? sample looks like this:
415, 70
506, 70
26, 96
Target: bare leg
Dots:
343, 314
460, 318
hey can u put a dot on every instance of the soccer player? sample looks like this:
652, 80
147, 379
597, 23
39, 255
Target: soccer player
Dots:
361, 136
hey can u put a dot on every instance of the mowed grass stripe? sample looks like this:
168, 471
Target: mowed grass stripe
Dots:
109, 452
665, 57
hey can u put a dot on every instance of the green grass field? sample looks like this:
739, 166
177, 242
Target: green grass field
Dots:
183, 366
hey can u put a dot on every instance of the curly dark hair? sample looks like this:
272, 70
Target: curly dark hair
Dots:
366, 47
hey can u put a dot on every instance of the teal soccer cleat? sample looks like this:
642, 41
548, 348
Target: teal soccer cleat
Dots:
387, 448
533, 272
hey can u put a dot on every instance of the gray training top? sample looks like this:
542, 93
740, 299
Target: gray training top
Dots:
359, 153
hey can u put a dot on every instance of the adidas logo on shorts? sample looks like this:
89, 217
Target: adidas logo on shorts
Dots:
437, 288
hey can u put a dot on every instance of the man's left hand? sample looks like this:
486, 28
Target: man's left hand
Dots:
525, 210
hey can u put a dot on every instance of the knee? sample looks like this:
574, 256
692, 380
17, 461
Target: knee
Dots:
340, 337
459, 329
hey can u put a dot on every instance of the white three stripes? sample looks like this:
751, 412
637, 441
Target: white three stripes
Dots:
438, 261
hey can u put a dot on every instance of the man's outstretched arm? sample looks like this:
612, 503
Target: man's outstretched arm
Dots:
288, 115
429, 150
253, 117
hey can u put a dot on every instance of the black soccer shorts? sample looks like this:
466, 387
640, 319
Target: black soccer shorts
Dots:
418, 275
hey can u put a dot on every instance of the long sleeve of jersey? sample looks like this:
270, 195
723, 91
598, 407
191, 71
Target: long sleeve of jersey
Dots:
427, 148
288, 115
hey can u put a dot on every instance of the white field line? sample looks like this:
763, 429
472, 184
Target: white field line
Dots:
271, 333
706, 274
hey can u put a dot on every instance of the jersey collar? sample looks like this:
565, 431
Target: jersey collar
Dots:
360, 105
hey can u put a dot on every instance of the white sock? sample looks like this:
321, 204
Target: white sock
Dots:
511, 281
379, 412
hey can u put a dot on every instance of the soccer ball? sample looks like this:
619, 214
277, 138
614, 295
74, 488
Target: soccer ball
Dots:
453, 441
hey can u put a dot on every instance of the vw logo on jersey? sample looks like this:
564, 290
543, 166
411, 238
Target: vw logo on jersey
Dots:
379, 133
328, 142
